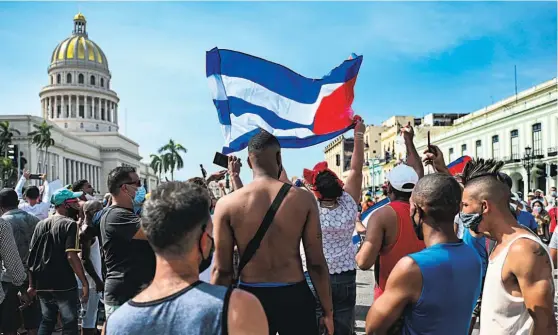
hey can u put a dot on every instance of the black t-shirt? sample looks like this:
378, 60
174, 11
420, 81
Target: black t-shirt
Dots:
130, 263
52, 239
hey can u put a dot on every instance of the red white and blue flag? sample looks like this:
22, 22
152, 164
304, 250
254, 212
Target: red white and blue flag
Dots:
252, 93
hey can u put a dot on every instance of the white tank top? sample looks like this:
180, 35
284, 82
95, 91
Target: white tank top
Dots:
95, 257
502, 313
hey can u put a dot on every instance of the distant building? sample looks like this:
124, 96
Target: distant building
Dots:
79, 102
503, 130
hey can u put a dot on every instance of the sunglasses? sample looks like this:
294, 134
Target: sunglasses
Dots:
134, 183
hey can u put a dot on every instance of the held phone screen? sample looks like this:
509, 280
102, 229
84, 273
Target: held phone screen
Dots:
34, 176
221, 160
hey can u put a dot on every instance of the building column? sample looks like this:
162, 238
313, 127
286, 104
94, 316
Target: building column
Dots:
93, 103
97, 177
70, 105
55, 98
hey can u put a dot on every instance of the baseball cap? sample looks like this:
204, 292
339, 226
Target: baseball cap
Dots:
403, 174
62, 195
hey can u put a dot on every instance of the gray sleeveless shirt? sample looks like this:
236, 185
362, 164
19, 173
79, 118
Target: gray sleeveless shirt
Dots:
199, 309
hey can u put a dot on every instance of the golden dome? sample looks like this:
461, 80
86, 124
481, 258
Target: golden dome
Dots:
78, 48
79, 16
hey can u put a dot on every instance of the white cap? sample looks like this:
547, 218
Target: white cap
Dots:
400, 175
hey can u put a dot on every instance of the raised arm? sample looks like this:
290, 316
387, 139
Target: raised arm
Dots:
234, 172
413, 158
354, 180
403, 287
20, 183
531, 265
375, 232
315, 259
223, 271
435, 157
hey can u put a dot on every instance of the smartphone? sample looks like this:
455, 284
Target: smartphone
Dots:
204, 173
35, 176
428, 134
221, 160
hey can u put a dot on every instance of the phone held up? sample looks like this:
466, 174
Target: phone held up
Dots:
221, 160
35, 176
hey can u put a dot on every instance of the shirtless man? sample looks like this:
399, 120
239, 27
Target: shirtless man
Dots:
274, 274
519, 290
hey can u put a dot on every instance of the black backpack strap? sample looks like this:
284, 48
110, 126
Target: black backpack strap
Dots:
255, 242
225, 312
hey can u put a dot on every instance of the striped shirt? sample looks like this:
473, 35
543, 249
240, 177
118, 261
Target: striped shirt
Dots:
9, 257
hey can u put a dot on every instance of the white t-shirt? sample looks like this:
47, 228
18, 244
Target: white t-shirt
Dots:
95, 257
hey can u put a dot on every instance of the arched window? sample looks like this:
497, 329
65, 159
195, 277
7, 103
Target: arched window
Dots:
58, 78
102, 82
69, 78
80, 78
92, 80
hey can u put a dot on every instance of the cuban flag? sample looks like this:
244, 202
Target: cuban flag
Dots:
458, 165
252, 93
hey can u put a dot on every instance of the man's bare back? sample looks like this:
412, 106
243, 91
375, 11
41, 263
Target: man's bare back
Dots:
242, 212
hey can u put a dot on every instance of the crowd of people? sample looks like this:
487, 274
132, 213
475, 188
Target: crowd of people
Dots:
277, 255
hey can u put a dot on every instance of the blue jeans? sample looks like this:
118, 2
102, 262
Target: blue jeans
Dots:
343, 292
63, 301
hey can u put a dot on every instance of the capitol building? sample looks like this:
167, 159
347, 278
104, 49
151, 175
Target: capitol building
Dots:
79, 102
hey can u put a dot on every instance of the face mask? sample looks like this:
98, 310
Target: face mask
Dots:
205, 262
537, 210
139, 199
89, 197
553, 193
72, 213
417, 226
472, 220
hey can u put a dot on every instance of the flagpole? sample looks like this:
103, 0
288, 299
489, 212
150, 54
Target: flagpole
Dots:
515, 76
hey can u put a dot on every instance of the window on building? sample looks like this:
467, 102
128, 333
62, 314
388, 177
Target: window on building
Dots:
478, 148
514, 137
92, 80
337, 160
51, 80
97, 127
81, 111
495, 147
65, 125
373, 151
375, 141
537, 140
451, 156
80, 78
58, 78
69, 78
102, 82
81, 125
464, 150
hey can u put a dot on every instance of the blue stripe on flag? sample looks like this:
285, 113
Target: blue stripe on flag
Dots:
276, 77
241, 142
223, 111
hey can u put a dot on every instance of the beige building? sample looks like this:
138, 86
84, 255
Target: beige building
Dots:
508, 130
78, 101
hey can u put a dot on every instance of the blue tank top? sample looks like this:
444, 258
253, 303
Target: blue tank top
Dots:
199, 309
451, 284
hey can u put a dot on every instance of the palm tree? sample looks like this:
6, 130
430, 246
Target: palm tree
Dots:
157, 165
42, 138
6, 135
6, 170
171, 156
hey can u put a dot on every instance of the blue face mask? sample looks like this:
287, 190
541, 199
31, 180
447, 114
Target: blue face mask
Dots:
471, 221
139, 198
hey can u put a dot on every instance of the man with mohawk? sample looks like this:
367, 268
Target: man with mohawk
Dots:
519, 290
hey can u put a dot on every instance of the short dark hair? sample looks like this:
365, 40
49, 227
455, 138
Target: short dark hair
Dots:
505, 179
119, 176
261, 141
400, 195
198, 181
78, 185
173, 216
32, 192
439, 195
328, 186
8, 198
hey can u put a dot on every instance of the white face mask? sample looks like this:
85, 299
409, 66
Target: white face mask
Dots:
89, 197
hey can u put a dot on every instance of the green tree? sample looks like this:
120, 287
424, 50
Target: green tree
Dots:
171, 158
7, 171
6, 135
157, 165
42, 138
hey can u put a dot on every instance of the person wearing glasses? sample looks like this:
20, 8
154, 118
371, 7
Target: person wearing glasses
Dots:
129, 259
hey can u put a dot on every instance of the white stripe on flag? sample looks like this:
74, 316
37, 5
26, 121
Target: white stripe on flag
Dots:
247, 122
249, 91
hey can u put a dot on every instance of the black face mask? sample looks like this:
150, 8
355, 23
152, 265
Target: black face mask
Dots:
72, 213
417, 226
206, 262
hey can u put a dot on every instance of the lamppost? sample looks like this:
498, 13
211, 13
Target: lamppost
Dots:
528, 162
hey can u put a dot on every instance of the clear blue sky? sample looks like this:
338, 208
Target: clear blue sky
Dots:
418, 58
